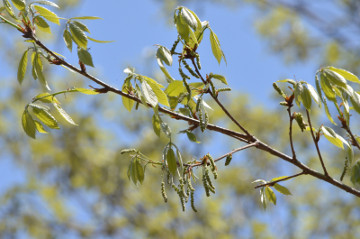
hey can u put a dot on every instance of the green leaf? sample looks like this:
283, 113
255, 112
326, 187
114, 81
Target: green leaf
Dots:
139, 171
156, 125
128, 103
298, 92
38, 67
346, 74
306, 98
82, 26
335, 78
98, 41
47, 14
22, 67
314, 94
198, 23
355, 173
278, 178
164, 55
175, 88
133, 172
19, 4
215, 47
85, 57
263, 198
290, 81
48, 3
149, 94
28, 124
42, 24
156, 88
192, 137
78, 36
44, 116
270, 195
188, 18
63, 114
169, 78
85, 91
327, 88
9, 8
327, 111
68, 39
282, 189
40, 127
171, 161
182, 28
332, 137
220, 78
87, 18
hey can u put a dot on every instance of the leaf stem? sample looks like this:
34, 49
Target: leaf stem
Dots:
272, 183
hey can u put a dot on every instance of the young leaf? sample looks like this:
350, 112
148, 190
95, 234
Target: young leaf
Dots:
128, 103
133, 172
46, 98
40, 127
182, 28
290, 81
263, 198
87, 18
215, 47
171, 161
282, 189
38, 67
98, 41
28, 124
335, 78
332, 137
346, 74
44, 116
47, 14
42, 24
85, 57
270, 195
78, 36
188, 18
175, 88
220, 78
19, 4
149, 94
164, 55
82, 26
63, 114
314, 94
9, 9
139, 171
156, 88
355, 101
67, 39
192, 137
327, 111
299, 88
85, 91
48, 3
22, 67
355, 173
327, 88
306, 98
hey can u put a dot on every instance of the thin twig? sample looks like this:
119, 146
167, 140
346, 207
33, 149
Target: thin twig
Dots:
316, 144
291, 131
353, 139
219, 103
272, 183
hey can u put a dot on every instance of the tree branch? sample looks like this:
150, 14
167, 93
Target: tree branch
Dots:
316, 144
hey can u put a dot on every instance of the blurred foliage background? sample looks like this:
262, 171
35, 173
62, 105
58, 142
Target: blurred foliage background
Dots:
72, 183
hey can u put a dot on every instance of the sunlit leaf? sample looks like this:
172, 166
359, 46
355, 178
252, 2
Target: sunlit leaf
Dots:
156, 88
42, 24
327, 88
47, 14
19, 4
98, 41
46, 98
171, 161
82, 26
39, 72
40, 127
215, 47
9, 8
78, 36
314, 94
306, 98
48, 3
270, 195
63, 114
188, 18
290, 81
175, 88
282, 189
87, 18
22, 67
220, 78
85, 91
334, 77
355, 101
149, 94
67, 39
128, 103
164, 55
44, 116
346, 74
156, 125
182, 28
332, 137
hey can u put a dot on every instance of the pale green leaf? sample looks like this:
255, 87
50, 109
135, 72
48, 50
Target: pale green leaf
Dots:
22, 67
335, 78
45, 116
98, 41
128, 103
85, 91
40, 127
169, 78
175, 88
28, 124
42, 24
290, 81
327, 111
215, 47
188, 18
48, 3
182, 28
355, 101
9, 9
39, 72
156, 88
82, 26
314, 94
87, 18
270, 195
47, 14
346, 74
164, 55
156, 125
332, 137
46, 98
68, 39
139, 171
78, 36
63, 114
85, 57
327, 88
220, 78
171, 161
149, 94
306, 98
282, 189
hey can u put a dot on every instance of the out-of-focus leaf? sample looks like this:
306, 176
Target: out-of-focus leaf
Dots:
85, 91
220, 78
156, 125
78, 36
40, 127
67, 39
22, 67
9, 9
270, 195
38, 67
19, 4
48, 3
355, 173
355, 101
87, 18
128, 103
139, 171
282, 189
290, 81
28, 124
98, 41
299, 88
171, 161
85, 57
192, 137
47, 14
164, 55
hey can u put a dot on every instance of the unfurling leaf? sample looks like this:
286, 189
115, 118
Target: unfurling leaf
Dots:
28, 124
314, 94
149, 94
156, 88
47, 14
306, 98
63, 114
85, 57
164, 55
82, 26
22, 67
270, 195
44, 116
327, 88
282, 189
334, 77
